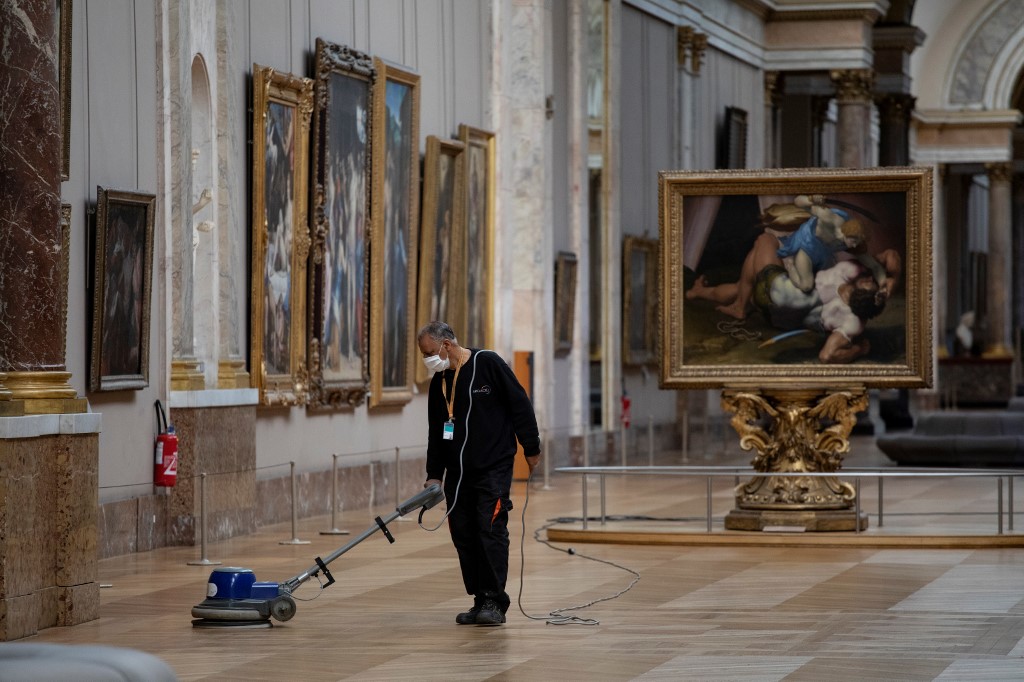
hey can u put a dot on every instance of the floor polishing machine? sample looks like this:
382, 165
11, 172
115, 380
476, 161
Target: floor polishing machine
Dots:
234, 598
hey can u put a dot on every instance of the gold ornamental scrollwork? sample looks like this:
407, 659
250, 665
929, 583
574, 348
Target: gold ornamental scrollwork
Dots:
795, 431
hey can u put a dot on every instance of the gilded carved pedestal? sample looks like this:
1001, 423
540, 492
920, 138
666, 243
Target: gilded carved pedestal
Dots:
793, 431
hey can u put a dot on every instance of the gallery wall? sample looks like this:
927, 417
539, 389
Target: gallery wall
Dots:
114, 145
122, 54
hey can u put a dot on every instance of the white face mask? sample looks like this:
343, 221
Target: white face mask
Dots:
434, 363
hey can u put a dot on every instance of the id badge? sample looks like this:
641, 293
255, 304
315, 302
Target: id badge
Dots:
449, 431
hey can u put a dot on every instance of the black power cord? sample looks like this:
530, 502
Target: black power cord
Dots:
559, 616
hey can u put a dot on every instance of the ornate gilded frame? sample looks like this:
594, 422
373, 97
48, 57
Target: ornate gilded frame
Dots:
708, 224
64, 8
639, 301
442, 237
282, 106
65, 275
393, 240
480, 189
121, 290
339, 368
565, 301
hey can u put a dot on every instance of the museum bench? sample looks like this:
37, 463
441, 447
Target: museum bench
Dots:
959, 439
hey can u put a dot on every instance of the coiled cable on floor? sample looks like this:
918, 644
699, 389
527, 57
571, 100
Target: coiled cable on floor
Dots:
559, 616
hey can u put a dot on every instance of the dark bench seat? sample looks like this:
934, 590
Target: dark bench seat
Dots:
959, 439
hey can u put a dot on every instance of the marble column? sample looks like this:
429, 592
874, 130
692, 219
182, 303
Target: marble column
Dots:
894, 112
774, 88
853, 95
31, 244
1000, 283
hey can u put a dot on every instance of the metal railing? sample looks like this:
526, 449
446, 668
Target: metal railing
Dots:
857, 473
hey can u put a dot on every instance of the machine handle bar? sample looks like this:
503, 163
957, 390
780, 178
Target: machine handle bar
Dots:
426, 498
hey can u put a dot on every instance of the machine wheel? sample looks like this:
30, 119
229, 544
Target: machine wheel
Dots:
282, 608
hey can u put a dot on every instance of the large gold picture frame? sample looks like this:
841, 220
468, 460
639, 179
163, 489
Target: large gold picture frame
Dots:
393, 241
339, 292
121, 290
442, 237
759, 268
639, 301
479, 250
64, 14
282, 106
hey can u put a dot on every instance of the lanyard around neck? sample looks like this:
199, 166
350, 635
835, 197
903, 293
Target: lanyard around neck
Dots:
450, 402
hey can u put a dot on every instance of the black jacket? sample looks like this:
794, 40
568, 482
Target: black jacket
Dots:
501, 412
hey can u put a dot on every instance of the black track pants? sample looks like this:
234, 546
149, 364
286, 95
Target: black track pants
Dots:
479, 528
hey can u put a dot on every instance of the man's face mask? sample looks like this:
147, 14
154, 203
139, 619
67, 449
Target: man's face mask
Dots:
434, 363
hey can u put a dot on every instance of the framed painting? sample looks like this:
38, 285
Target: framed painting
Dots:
64, 80
282, 104
65, 275
565, 301
639, 301
797, 277
393, 241
733, 149
121, 290
339, 369
441, 283
479, 250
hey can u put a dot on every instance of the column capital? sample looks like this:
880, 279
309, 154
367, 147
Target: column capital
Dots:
700, 44
999, 171
690, 44
895, 107
774, 85
853, 85
684, 38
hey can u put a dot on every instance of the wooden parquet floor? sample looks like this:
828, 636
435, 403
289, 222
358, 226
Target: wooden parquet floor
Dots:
697, 612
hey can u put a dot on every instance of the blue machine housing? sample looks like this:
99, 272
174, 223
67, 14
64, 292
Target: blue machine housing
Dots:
231, 582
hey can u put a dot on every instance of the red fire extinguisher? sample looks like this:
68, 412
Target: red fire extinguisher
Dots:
165, 467
626, 402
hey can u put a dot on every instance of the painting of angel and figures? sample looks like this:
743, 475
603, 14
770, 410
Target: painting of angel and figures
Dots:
805, 275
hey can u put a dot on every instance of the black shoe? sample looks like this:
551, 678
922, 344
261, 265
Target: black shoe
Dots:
468, 617
490, 613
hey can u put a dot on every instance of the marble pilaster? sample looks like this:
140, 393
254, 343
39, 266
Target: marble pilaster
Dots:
231, 206
1000, 283
853, 96
176, 97
579, 215
687, 101
524, 185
